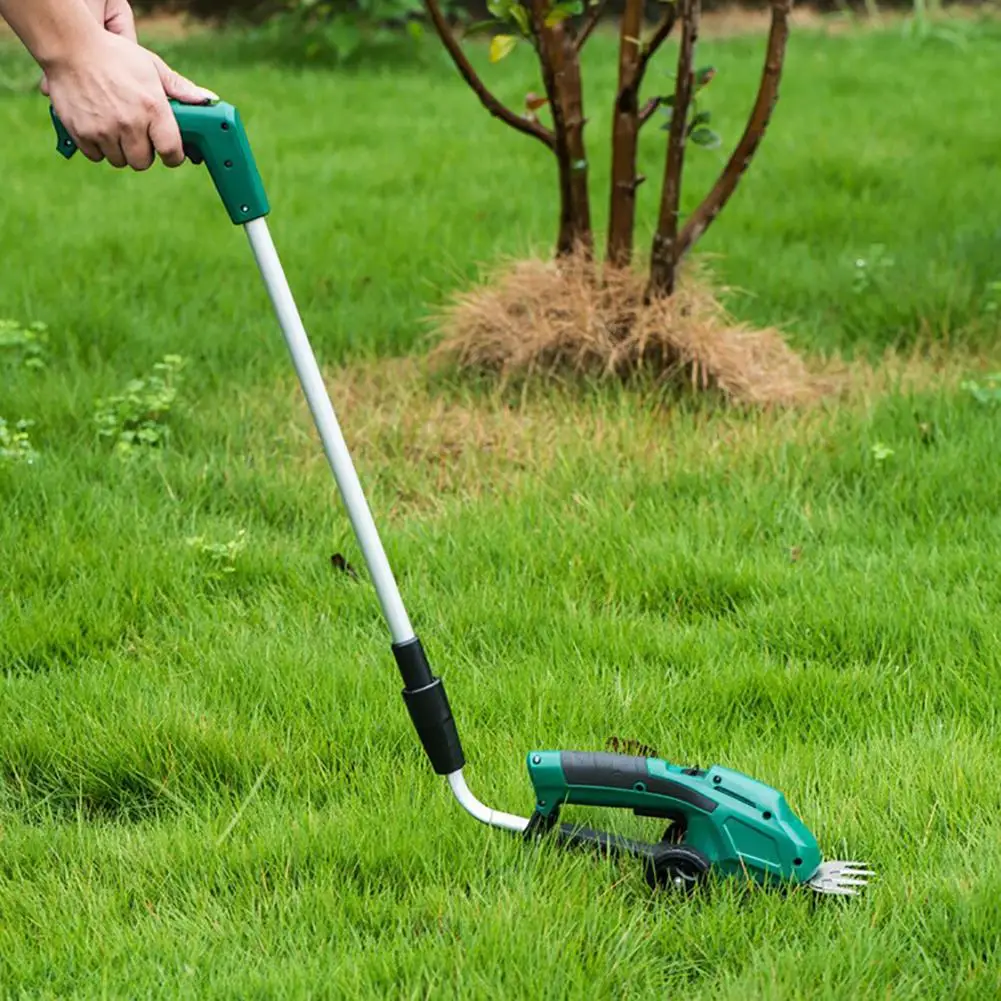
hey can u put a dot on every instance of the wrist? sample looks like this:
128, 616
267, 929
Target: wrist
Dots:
67, 44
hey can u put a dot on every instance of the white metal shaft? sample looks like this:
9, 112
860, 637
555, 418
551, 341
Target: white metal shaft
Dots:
344, 472
327, 425
495, 818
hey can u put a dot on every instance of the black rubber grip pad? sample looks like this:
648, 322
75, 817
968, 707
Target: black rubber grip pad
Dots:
619, 771
432, 718
413, 664
428, 706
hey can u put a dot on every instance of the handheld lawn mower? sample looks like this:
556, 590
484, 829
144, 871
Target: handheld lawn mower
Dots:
718, 819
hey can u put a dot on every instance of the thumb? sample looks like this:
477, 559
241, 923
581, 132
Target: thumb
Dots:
119, 19
180, 88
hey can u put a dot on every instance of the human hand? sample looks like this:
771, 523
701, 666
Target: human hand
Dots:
111, 95
116, 17
113, 15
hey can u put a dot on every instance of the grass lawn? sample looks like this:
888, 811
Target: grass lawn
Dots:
208, 783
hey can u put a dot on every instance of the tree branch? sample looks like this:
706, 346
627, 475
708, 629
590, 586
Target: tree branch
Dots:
657, 39
768, 95
648, 110
487, 99
591, 23
663, 256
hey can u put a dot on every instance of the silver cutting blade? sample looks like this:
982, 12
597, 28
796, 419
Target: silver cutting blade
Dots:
842, 878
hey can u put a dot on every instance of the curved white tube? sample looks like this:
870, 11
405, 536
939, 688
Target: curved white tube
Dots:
495, 818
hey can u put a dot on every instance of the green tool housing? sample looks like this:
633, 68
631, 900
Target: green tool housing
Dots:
212, 134
738, 825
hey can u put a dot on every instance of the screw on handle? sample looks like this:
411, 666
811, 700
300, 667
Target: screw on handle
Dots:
212, 134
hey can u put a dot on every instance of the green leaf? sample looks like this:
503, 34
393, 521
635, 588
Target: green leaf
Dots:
702, 118
704, 76
509, 11
561, 11
501, 46
705, 137
520, 17
478, 26
987, 393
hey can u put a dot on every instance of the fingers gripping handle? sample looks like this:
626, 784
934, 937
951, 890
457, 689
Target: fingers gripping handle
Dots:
212, 134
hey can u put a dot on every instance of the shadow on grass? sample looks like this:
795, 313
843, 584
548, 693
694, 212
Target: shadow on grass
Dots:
98, 781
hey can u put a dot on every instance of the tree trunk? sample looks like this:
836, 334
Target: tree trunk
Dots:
573, 104
560, 66
625, 138
664, 257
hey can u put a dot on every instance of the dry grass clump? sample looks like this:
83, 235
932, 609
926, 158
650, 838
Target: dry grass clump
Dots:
547, 319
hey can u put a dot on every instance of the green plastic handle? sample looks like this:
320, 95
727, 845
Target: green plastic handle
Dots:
212, 134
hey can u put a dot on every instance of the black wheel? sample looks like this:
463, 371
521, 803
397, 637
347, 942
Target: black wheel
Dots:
676, 869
